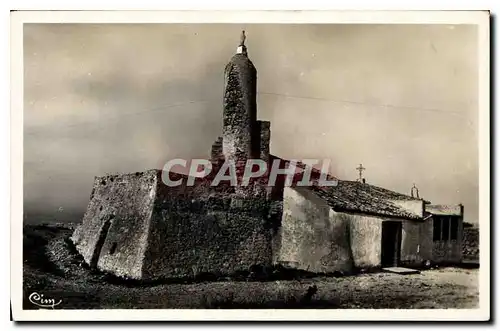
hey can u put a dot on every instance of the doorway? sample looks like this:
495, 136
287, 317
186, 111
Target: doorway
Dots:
391, 243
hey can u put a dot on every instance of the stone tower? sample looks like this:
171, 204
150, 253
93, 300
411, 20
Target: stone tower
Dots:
243, 136
240, 107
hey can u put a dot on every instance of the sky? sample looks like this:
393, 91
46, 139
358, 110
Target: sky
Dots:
110, 98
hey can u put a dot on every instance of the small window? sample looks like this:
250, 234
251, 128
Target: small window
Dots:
446, 229
454, 228
437, 229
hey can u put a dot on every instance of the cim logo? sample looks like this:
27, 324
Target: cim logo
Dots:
42, 302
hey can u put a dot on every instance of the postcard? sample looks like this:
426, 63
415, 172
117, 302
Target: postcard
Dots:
180, 166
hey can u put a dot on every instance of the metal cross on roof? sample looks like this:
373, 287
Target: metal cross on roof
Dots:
360, 169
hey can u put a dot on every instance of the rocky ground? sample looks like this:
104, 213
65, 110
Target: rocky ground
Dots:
52, 268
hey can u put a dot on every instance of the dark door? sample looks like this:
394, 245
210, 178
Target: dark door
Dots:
391, 243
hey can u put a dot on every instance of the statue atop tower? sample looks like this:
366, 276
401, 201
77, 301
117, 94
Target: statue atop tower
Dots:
242, 49
242, 38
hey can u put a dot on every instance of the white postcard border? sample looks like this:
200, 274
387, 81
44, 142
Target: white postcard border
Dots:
480, 18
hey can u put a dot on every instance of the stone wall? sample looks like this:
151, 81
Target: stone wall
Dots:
470, 244
113, 233
137, 227
217, 234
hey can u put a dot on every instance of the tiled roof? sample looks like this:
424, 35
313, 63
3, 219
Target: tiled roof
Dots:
354, 196
365, 198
